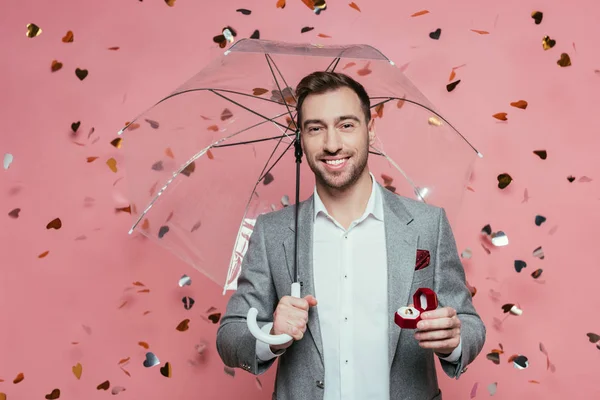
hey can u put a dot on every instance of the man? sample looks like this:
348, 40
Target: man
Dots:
357, 256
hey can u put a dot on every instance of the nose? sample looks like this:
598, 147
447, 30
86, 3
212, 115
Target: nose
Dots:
333, 141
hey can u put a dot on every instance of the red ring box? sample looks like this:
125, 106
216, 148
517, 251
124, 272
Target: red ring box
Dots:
424, 299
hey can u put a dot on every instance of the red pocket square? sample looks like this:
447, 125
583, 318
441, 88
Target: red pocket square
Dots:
423, 259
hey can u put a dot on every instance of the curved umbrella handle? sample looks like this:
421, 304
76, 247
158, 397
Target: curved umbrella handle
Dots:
265, 337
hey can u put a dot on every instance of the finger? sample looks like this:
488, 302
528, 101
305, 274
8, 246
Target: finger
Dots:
439, 344
311, 300
296, 302
294, 331
437, 335
436, 324
444, 312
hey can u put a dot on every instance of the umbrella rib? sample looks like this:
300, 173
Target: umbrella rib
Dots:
335, 61
251, 141
417, 192
269, 60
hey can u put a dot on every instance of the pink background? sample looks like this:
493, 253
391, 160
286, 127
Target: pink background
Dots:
74, 293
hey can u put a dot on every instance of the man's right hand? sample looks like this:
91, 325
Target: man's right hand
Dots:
290, 317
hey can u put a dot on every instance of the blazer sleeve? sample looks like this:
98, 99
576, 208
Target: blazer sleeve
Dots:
235, 344
451, 288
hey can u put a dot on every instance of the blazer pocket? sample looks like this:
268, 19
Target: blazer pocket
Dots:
423, 274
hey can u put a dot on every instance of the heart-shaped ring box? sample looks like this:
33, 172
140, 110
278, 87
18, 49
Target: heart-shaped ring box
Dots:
424, 299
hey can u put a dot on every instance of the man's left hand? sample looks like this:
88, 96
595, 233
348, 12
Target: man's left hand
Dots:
439, 330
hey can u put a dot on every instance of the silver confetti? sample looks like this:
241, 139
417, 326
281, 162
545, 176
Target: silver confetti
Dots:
499, 239
520, 362
151, 360
185, 281
467, 253
228, 35
539, 253
492, 387
8, 159
229, 371
285, 200
118, 389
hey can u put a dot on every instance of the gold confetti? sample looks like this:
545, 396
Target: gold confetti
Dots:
117, 142
144, 291
144, 345
480, 32
419, 13
56, 65
77, 370
548, 43
112, 164
33, 30
169, 153
2, 396
124, 360
322, 35
280, 4
213, 128
504, 180
259, 91
452, 76
122, 305
103, 386
68, 38
537, 16
564, 60
501, 116
210, 154
379, 110
170, 3
166, 370
353, 5
91, 159
54, 224
434, 121
522, 104
19, 378
55, 394
183, 325
123, 209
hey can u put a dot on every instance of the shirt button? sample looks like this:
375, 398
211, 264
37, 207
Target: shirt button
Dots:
345, 276
346, 361
346, 319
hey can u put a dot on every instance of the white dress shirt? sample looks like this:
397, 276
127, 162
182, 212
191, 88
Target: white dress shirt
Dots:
350, 278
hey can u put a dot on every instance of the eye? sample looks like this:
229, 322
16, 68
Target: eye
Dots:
347, 125
314, 128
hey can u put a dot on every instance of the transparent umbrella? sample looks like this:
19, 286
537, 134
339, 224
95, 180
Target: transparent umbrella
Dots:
204, 162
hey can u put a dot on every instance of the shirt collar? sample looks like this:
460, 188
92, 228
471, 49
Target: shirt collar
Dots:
374, 206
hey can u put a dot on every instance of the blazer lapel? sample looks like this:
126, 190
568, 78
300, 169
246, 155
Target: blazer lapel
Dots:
305, 264
401, 246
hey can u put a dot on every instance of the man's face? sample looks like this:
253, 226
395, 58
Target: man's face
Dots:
336, 137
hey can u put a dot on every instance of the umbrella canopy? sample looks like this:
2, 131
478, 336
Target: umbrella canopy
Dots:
205, 161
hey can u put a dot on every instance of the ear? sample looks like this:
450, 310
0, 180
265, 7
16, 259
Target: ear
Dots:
371, 129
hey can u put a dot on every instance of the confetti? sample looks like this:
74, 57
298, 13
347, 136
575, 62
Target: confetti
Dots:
452, 75
91, 159
229, 371
564, 60
144, 345
434, 121
539, 220
81, 73
466, 254
188, 302
451, 86
280, 4
77, 370
151, 360
124, 360
472, 289
19, 378
185, 281
537, 17
255, 34
55, 394
55, 65
226, 114
158, 166
435, 35
316, 5
103, 386
163, 231
14, 213
268, 178
2, 396
307, 29
419, 13
570, 178
379, 110
165, 370
244, 11
8, 159
44, 254
258, 384
196, 226
170, 3
584, 179
187, 171
501, 116
118, 389
183, 325
132, 126
512, 308
474, 390
114, 48
259, 91
215, 317
123, 209
353, 5
522, 104
123, 304
541, 154
537, 273
538, 252
153, 124
519, 265
364, 70
285, 200
548, 43
322, 35
494, 357
33, 31
112, 164
68, 38
480, 32
525, 196
504, 180
54, 224
492, 387
519, 361
227, 35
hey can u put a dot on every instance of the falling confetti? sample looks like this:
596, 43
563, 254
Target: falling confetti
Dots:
185, 281
480, 32
68, 38
451, 86
525, 196
19, 378
522, 104
280, 4
571, 178
541, 154
537, 273
537, 17
307, 29
163, 231
33, 31
519, 361
492, 387
158, 166
188, 302
564, 60
227, 35
170, 3
494, 357
504, 180
539, 220
165, 370
353, 5
187, 171
54, 224
322, 35
268, 178
435, 35
144, 345
229, 371
44, 254
419, 13
55, 394
474, 390
466, 254
8, 159
118, 389
244, 11
512, 308
153, 124
584, 179
112, 164
55, 65
151, 360
501, 116
196, 226
434, 121
519, 265
539, 252
14, 213
183, 325
104, 385
81, 73
114, 48
77, 370
548, 43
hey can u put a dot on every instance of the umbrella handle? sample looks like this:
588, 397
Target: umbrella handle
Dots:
265, 337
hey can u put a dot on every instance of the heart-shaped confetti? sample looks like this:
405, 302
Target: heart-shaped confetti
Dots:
259, 91
54, 224
519, 362
163, 231
226, 114
151, 360
33, 31
564, 60
539, 252
451, 86
502, 116
183, 325
268, 178
244, 11
68, 38
19, 378
214, 318
188, 302
112, 164
117, 390
14, 213
522, 104
537, 273
55, 66
307, 29
77, 370
104, 385
170, 3
187, 171
512, 308
355, 6
494, 357
255, 34
435, 35
8, 159
537, 17
55, 394
75, 126
543, 154
499, 239
185, 281
593, 337
81, 73
504, 180
519, 265
153, 124
158, 166
165, 370
539, 220
548, 43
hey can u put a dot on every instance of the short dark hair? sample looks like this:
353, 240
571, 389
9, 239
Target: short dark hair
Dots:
321, 82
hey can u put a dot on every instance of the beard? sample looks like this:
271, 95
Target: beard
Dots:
339, 180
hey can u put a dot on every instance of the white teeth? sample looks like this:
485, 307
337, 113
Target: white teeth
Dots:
335, 162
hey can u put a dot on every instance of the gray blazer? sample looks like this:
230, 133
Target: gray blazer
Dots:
266, 276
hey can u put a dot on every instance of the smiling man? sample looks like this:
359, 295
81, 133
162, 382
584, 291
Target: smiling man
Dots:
357, 251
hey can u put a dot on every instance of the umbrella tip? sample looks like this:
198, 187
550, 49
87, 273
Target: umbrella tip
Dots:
479, 154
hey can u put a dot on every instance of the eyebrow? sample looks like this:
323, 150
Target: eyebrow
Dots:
337, 120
